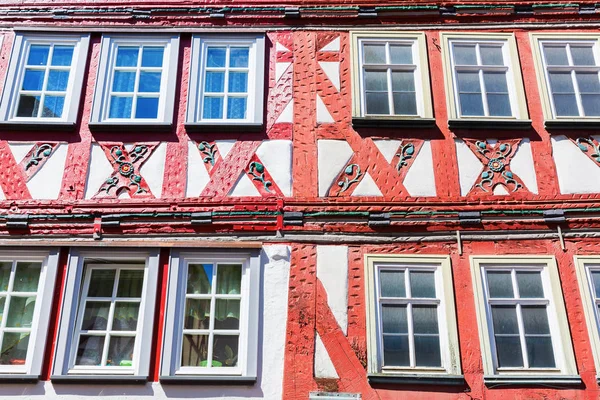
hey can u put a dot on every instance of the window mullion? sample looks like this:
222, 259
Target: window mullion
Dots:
226, 82
45, 82
211, 325
411, 335
136, 84
522, 336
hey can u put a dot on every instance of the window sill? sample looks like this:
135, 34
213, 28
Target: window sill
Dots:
492, 381
146, 126
388, 122
38, 125
482, 123
572, 124
18, 378
100, 379
208, 380
417, 379
224, 126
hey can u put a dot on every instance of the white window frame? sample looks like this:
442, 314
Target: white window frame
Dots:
42, 310
10, 94
557, 319
448, 333
75, 284
419, 66
512, 67
175, 308
584, 266
256, 78
538, 40
104, 79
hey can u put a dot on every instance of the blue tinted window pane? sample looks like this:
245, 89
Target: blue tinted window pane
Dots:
236, 108
499, 105
540, 352
38, 55
213, 108
199, 279
58, 80
62, 55
152, 56
215, 82
238, 82
238, 57
427, 351
565, 105
149, 82
508, 350
394, 319
147, 107
396, 351
123, 81
53, 107
215, 57
28, 106
120, 107
127, 56
33, 80
471, 104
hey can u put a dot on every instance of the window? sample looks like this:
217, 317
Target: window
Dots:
391, 80
483, 77
411, 318
212, 316
26, 288
44, 79
136, 80
568, 75
226, 80
107, 315
588, 276
521, 315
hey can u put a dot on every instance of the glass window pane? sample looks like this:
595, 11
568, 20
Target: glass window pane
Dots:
556, 55
227, 314
28, 106
495, 82
5, 268
491, 55
120, 351
27, 277
535, 320
405, 103
194, 351
2, 304
102, 283
427, 351
20, 312
120, 107
376, 80
505, 320
238, 57
468, 82
500, 284
131, 282
33, 79
561, 82
422, 284
215, 57
95, 316
123, 81
53, 106
595, 278
38, 54
238, 82
374, 54
395, 351
57, 80
215, 82
508, 350
499, 105
14, 348
377, 103
464, 55
62, 56
89, 351
197, 314
146, 107
588, 82
425, 319
152, 56
125, 316
229, 278
127, 56
582, 55
225, 350
213, 108
392, 283
199, 280
236, 108
149, 82
539, 352
403, 81
530, 284
591, 104
471, 104
394, 318
565, 105
401, 54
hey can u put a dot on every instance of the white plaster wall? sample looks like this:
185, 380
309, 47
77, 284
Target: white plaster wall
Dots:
388, 148
47, 181
469, 167
244, 187
367, 187
522, 165
332, 70
576, 172
197, 175
323, 115
275, 262
98, 171
153, 170
276, 156
324, 368
420, 178
332, 157
20, 150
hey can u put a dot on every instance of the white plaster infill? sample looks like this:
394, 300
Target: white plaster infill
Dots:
420, 178
334, 45
276, 156
99, 170
197, 176
323, 115
577, 173
280, 69
522, 165
469, 167
47, 181
287, 115
244, 187
332, 70
153, 170
388, 148
324, 367
366, 187
332, 156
